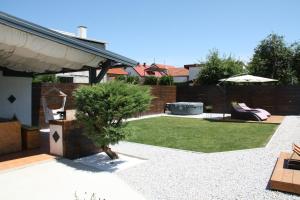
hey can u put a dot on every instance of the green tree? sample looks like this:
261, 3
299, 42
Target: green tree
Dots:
129, 79
51, 78
102, 108
166, 80
133, 79
296, 59
273, 58
150, 80
121, 78
216, 68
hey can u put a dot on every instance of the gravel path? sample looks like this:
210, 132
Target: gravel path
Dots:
179, 174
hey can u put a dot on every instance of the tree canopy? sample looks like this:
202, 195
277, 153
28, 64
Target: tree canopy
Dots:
274, 58
216, 68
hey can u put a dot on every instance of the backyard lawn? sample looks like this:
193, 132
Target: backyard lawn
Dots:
200, 135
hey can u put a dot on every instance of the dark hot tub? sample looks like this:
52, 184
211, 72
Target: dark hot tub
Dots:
185, 108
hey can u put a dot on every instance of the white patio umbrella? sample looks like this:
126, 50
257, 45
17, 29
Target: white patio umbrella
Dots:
247, 79
243, 78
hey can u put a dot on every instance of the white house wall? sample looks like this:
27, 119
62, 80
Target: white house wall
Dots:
180, 79
80, 77
20, 88
131, 72
193, 72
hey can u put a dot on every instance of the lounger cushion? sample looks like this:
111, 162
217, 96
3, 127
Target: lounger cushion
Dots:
245, 107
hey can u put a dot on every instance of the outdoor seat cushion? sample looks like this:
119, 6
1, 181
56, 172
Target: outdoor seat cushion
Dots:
245, 107
237, 112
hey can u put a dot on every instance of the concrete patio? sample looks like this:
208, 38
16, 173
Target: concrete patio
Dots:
62, 179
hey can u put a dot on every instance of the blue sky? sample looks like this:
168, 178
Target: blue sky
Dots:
171, 32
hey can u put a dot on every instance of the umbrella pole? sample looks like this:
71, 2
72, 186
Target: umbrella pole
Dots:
224, 102
224, 97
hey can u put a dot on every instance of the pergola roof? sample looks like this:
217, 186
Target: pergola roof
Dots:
28, 47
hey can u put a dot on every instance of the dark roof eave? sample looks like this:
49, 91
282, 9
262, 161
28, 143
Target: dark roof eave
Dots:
46, 33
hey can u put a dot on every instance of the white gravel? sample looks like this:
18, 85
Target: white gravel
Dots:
177, 174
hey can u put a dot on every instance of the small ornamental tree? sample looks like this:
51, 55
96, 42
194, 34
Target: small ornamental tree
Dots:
102, 108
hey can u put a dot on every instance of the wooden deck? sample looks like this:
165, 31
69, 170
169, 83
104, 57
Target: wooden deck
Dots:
283, 179
24, 161
274, 119
27, 157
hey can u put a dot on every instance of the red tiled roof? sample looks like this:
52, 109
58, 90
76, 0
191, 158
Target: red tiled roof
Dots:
117, 71
163, 66
178, 72
142, 71
171, 70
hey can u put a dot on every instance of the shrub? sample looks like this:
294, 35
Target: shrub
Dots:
133, 79
102, 108
150, 80
51, 78
166, 80
121, 78
128, 79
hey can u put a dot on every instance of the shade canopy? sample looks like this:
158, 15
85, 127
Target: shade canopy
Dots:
28, 47
247, 79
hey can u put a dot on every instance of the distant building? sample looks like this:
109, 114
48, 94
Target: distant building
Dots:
158, 70
180, 75
194, 70
141, 71
115, 72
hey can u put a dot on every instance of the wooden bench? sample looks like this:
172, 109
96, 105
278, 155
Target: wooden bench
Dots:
283, 179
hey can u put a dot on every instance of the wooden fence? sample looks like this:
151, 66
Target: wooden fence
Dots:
162, 94
279, 100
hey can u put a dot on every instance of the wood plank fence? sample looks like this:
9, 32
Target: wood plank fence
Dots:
162, 94
279, 100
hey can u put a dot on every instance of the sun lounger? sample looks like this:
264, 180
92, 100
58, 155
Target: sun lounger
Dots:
245, 107
294, 160
237, 112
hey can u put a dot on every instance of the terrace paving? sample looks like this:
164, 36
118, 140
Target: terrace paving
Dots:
63, 179
179, 174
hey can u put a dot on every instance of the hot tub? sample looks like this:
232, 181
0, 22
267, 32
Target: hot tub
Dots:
185, 108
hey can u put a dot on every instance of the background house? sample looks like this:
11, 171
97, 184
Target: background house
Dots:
179, 74
194, 70
115, 72
142, 70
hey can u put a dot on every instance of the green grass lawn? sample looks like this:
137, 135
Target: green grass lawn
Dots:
200, 135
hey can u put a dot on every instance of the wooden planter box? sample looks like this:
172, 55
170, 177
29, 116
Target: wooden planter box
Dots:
31, 138
10, 137
67, 140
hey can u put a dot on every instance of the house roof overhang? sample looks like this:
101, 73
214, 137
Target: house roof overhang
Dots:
30, 48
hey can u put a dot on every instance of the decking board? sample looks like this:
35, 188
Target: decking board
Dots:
282, 179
